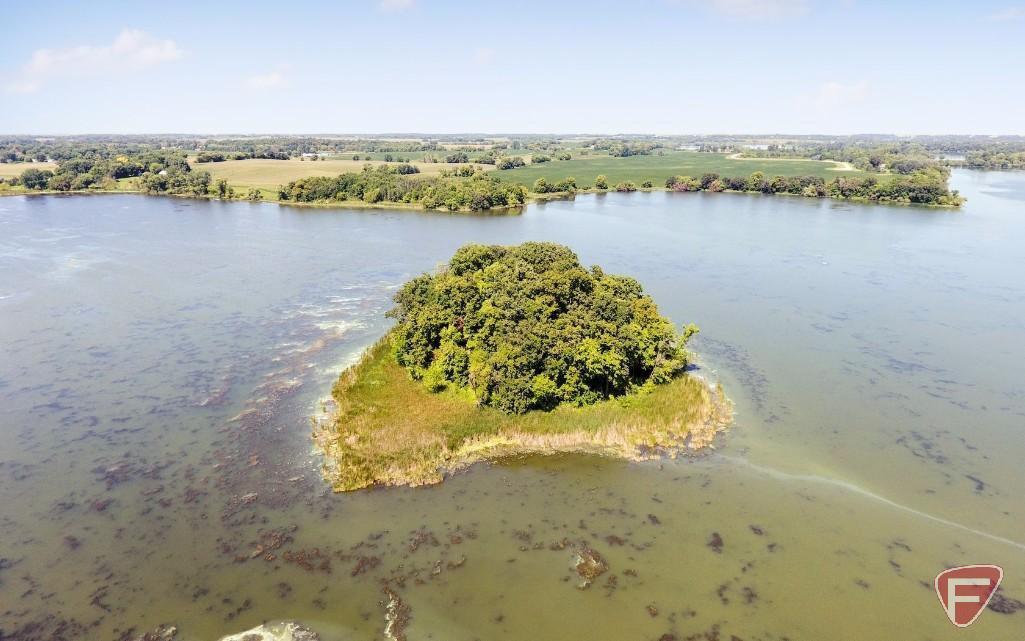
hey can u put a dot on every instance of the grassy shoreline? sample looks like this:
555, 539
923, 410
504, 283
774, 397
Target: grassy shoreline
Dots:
387, 429
498, 211
336, 204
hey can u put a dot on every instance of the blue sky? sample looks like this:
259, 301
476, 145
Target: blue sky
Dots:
659, 66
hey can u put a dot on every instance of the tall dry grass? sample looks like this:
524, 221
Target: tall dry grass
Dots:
388, 429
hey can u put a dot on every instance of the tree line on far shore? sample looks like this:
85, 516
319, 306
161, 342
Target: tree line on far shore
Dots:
167, 171
928, 187
995, 160
383, 184
100, 170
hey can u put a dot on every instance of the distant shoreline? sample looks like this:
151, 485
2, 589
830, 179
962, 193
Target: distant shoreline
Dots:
509, 210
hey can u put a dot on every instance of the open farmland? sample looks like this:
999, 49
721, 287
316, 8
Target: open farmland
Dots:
655, 168
8, 169
270, 174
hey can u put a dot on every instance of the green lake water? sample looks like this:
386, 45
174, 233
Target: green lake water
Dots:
160, 360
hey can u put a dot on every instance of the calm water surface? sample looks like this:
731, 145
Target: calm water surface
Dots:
161, 359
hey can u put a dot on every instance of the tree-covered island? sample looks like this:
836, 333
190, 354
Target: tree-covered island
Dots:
516, 350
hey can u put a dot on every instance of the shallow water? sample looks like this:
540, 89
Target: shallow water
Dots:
161, 359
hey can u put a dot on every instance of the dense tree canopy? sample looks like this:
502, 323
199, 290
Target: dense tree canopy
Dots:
36, 178
623, 150
510, 162
384, 183
995, 160
567, 185
101, 168
529, 327
175, 180
926, 186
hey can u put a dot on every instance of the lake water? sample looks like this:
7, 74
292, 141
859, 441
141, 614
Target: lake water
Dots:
161, 359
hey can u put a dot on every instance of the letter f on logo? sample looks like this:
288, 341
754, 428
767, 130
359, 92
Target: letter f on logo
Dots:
965, 591
953, 598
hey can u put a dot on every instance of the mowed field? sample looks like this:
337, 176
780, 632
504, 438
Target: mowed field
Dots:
270, 174
8, 169
638, 169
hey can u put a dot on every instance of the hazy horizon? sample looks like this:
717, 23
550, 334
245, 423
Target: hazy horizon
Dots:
499, 134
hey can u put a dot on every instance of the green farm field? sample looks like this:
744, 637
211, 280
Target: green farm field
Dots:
638, 169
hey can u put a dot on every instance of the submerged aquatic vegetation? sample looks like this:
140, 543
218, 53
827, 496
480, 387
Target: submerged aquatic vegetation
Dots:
589, 565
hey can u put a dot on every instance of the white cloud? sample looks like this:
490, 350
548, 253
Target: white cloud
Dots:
23, 87
755, 9
270, 80
132, 49
837, 95
483, 56
1007, 14
395, 5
